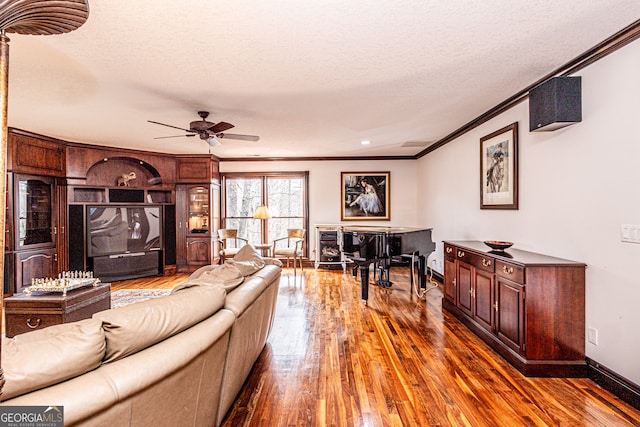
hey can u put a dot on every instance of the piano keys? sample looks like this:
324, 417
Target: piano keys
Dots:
364, 245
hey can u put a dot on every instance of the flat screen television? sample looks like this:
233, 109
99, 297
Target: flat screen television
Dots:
123, 229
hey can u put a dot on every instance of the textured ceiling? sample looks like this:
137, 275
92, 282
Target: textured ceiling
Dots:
311, 78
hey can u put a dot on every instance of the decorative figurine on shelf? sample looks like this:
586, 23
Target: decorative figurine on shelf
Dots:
123, 180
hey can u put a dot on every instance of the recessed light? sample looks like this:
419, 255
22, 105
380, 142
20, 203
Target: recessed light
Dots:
366, 142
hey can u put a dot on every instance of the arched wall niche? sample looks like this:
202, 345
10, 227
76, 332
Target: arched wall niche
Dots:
123, 171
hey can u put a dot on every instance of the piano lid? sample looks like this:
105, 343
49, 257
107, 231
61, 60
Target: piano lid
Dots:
378, 229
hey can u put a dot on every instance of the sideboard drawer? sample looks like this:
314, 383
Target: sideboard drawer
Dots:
449, 251
510, 271
27, 322
479, 261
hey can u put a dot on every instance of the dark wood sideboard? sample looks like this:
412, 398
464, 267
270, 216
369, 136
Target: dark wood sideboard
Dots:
528, 307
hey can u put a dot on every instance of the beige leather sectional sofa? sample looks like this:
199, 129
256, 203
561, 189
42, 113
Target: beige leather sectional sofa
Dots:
177, 360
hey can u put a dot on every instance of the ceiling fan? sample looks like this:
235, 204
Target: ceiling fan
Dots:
208, 131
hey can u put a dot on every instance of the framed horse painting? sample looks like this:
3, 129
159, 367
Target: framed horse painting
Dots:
499, 169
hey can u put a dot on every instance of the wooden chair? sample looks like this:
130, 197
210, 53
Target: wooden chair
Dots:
293, 248
229, 242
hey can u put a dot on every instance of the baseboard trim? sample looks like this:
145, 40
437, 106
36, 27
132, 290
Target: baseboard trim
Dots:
623, 388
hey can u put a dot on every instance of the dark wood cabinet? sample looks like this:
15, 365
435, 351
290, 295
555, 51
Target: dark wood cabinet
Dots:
194, 246
528, 307
34, 233
197, 211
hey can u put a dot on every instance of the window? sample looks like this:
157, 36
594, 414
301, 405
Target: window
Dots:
284, 193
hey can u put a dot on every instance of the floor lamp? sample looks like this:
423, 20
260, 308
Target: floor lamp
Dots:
262, 213
29, 17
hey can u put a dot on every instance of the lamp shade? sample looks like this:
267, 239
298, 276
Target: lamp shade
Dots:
262, 212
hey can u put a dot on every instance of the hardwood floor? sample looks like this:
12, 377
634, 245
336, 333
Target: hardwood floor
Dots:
399, 361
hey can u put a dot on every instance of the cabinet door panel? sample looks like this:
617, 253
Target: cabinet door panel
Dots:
34, 265
465, 285
181, 225
510, 315
483, 299
198, 251
34, 212
450, 280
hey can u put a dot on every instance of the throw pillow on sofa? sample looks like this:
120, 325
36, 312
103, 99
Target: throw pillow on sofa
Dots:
247, 260
51, 355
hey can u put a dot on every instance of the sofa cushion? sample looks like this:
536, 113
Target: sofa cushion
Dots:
51, 355
134, 327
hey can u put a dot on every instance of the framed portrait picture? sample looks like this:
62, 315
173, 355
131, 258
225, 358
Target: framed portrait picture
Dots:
365, 196
499, 169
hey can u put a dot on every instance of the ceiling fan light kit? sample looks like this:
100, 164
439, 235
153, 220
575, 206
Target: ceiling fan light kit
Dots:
213, 141
210, 132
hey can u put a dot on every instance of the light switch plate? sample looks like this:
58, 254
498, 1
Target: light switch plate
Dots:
630, 233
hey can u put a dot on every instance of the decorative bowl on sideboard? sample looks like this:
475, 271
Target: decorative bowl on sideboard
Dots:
498, 245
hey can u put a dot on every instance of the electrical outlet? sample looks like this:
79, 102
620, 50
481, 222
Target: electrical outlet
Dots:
593, 336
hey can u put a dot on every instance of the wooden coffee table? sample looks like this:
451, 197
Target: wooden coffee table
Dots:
24, 313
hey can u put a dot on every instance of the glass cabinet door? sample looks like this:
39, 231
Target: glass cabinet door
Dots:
199, 209
33, 203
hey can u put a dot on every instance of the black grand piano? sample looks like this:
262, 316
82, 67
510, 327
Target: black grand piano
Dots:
364, 245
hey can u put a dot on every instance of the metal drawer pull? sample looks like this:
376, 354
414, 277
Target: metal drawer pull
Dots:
486, 262
449, 250
460, 254
33, 326
507, 270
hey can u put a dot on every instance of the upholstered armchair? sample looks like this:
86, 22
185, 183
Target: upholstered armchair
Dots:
229, 242
290, 247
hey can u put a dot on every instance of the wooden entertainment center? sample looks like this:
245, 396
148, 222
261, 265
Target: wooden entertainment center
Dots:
54, 186
528, 307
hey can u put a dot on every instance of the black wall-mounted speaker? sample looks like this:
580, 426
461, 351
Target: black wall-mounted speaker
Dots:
555, 104
76, 238
117, 195
169, 234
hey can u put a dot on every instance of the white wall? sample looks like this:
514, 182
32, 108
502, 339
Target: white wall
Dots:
325, 184
577, 186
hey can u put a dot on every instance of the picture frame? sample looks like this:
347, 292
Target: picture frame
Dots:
499, 169
365, 196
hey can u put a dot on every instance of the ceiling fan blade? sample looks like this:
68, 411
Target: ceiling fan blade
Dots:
220, 127
174, 136
238, 136
175, 127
